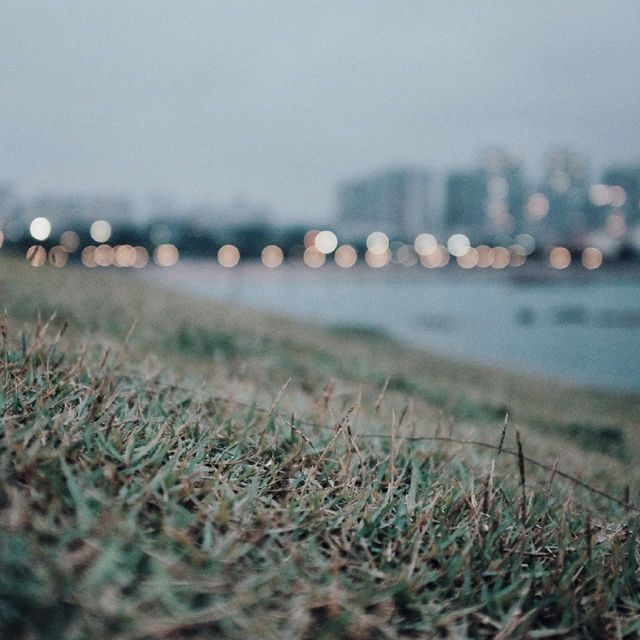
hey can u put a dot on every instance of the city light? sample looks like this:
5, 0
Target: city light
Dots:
595, 219
124, 255
425, 244
100, 231
591, 258
559, 258
87, 257
618, 196
310, 238
313, 258
616, 224
40, 229
444, 255
36, 255
326, 242
527, 242
142, 258
458, 244
378, 242
70, 240
345, 256
228, 256
501, 258
469, 260
439, 258
165, 255
377, 259
120, 256
58, 256
103, 255
406, 255
537, 207
272, 256
518, 255
485, 256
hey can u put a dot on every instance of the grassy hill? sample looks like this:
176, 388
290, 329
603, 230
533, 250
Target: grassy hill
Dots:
175, 468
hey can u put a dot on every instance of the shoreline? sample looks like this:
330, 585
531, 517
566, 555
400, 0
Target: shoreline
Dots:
192, 276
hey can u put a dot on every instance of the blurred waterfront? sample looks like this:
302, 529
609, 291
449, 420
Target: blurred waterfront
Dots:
583, 329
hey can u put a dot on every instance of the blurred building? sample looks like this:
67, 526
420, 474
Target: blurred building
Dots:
394, 201
566, 185
486, 200
466, 192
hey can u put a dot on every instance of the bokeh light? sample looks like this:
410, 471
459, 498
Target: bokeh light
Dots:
103, 255
58, 256
501, 257
310, 238
165, 255
527, 242
518, 255
313, 258
100, 231
425, 244
40, 229
591, 258
142, 258
618, 196
377, 259
559, 257
345, 256
537, 207
228, 256
485, 256
87, 257
458, 244
378, 243
469, 260
439, 258
616, 224
36, 255
272, 256
326, 242
70, 241
124, 255
407, 256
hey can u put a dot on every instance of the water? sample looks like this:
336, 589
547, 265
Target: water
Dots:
583, 328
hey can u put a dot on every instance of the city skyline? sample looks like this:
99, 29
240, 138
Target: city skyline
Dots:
490, 204
213, 102
493, 195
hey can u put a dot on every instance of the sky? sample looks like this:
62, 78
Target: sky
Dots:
277, 101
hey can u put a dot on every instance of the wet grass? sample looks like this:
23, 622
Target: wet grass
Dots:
158, 486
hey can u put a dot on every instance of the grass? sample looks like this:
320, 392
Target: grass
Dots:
210, 472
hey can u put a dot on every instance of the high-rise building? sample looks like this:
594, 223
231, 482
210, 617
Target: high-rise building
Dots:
486, 200
466, 193
566, 184
395, 201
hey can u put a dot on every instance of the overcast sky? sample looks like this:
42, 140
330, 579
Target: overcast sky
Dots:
277, 101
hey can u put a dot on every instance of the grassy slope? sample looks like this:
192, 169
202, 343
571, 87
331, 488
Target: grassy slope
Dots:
136, 502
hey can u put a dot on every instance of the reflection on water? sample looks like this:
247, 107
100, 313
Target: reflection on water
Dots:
585, 332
